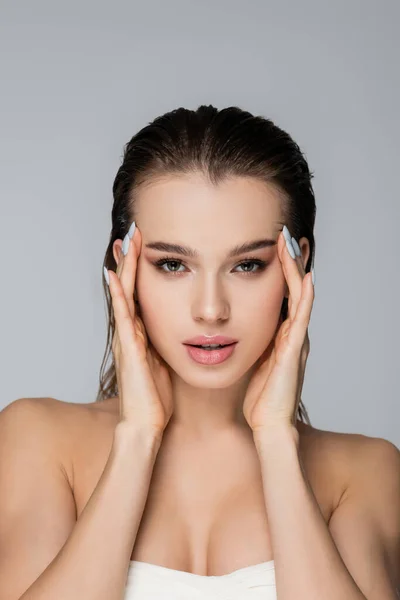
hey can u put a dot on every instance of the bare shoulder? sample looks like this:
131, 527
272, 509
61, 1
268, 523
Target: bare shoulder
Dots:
38, 511
76, 417
42, 413
365, 522
68, 427
346, 458
352, 447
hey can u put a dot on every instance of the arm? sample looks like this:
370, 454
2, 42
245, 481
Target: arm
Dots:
365, 526
44, 552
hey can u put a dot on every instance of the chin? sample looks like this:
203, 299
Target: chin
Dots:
200, 376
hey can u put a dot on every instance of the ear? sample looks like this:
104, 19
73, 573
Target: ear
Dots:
117, 250
305, 250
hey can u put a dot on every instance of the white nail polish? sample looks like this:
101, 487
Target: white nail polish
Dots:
290, 249
296, 247
125, 244
286, 233
106, 275
132, 230
313, 276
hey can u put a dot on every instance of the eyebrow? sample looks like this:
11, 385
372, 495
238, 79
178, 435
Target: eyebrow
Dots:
191, 253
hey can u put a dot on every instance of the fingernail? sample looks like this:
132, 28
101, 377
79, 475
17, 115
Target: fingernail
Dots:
313, 276
106, 276
125, 244
290, 248
286, 233
131, 230
296, 247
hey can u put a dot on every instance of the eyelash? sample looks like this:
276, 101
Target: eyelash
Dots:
261, 264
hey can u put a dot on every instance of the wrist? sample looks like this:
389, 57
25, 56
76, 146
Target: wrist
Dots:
275, 434
129, 437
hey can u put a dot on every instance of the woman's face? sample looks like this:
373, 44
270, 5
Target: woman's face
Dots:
211, 293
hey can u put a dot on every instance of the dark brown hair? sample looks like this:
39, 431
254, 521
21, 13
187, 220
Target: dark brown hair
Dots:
219, 144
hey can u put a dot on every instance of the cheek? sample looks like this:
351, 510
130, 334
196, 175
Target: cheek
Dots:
266, 301
159, 324
266, 313
157, 311
256, 312
261, 315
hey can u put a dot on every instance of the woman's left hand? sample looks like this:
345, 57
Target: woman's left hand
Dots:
274, 391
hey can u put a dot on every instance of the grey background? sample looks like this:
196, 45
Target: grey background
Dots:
78, 79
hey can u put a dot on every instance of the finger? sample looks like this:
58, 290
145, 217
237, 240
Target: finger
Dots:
128, 268
123, 320
292, 272
119, 270
299, 257
299, 326
120, 263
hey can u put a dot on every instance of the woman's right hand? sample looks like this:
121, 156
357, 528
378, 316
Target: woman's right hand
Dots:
144, 383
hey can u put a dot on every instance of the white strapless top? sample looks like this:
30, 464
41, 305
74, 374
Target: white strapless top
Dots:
154, 582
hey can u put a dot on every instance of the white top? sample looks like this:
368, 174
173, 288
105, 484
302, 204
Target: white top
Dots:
154, 582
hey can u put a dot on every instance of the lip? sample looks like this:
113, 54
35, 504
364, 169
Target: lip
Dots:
210, 357
212, 339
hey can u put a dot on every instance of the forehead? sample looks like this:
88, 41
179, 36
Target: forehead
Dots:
179, 206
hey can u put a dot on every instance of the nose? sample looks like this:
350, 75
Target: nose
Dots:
210, 303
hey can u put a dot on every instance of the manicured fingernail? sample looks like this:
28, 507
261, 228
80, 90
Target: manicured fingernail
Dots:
286, 233
290, 248
313, 276
106, 276
296, 247
132, 230
125, 244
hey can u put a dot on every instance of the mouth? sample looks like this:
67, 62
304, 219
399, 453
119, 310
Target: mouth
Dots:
210, 355
210, 347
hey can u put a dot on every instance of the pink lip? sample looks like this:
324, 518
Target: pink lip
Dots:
205, 339
210, 357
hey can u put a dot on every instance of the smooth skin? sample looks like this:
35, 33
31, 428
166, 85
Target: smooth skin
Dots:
209, 296
210, 293
274, 391
271, 378
207, 464
145, 399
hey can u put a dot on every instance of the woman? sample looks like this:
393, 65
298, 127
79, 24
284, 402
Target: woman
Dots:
197, 472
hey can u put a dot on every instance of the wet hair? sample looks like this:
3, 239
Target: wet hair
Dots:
218, 144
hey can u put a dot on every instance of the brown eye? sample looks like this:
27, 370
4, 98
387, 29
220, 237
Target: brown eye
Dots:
164, 261
159, 264
261, 264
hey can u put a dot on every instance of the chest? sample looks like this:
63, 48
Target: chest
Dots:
205, 510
